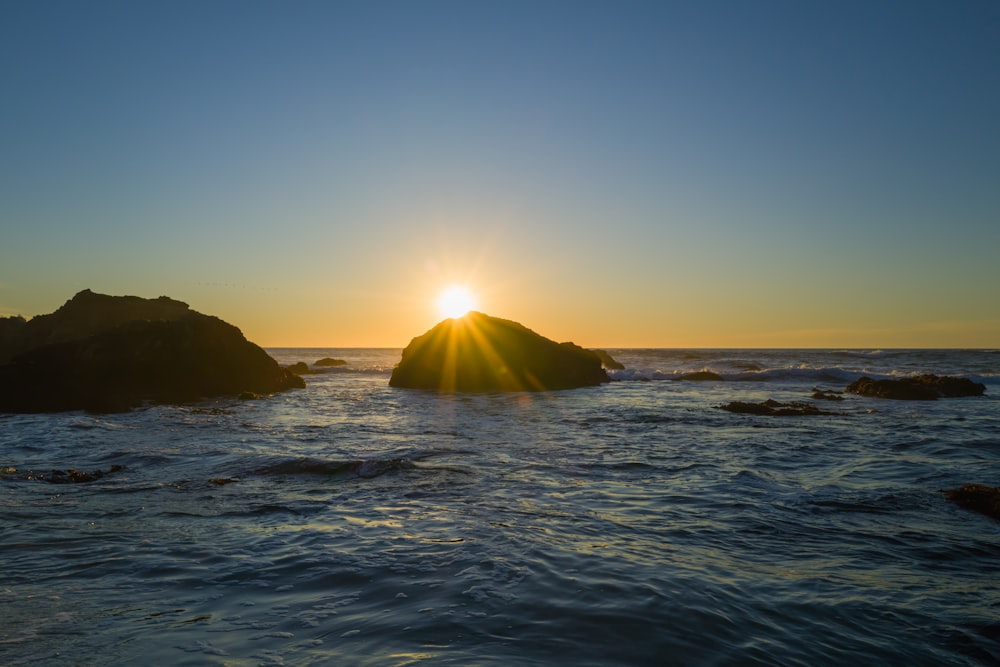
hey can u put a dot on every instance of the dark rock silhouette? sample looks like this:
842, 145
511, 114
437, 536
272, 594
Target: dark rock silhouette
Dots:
773, 408
11, 332
920, 388
978, 497
479, 353
700, 376
146, 350
69, 476
608, 361
826, 395
84, 315
302, 368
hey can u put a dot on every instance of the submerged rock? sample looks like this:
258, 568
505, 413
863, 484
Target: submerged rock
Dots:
108, 354
301, 368
920, 388
70, 476
826, 395
978, 497
479, 353
773, 408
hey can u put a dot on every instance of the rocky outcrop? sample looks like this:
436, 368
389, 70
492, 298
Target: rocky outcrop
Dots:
608, 361
84, 315
826, 395
773, 408
11, 333
300, 368
920, 388
146, 350
479, 353
324, 366
977, 497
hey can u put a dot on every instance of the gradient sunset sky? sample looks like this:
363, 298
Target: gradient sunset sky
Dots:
656, 174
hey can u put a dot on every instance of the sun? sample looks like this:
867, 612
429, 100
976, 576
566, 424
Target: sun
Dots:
455, 301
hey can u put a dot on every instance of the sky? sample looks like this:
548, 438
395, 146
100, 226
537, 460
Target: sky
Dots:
621, 174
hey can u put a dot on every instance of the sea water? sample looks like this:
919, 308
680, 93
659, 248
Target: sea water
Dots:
635, 523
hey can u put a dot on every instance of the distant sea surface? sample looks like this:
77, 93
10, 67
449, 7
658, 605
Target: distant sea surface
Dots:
634, 523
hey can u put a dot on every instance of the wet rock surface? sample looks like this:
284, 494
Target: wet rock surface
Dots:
977, 497
773, 408
68, 476
921, 388
827, 395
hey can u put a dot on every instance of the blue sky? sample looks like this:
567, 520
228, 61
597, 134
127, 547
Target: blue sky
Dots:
657, 174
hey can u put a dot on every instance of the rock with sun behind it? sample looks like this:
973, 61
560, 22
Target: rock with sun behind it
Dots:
479, 353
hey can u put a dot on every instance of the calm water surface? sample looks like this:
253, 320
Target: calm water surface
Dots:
629, 524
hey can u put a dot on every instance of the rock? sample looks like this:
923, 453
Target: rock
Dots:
773, 408
302, 368
328, 361
920, 388
826, 395
978, 497
11, 333
70, 476
86, 314
608, 361
167, 353
480, 353
700, 376
78, 476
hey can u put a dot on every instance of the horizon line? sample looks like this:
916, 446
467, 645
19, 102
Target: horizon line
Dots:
669, 347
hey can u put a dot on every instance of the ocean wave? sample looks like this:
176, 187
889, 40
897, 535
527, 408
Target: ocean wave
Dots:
800, 375
797, 374
575, 526
357, 468
266, 509
861, 353
352, 370
91, 423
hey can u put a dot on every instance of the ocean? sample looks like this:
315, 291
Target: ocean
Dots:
635, 523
